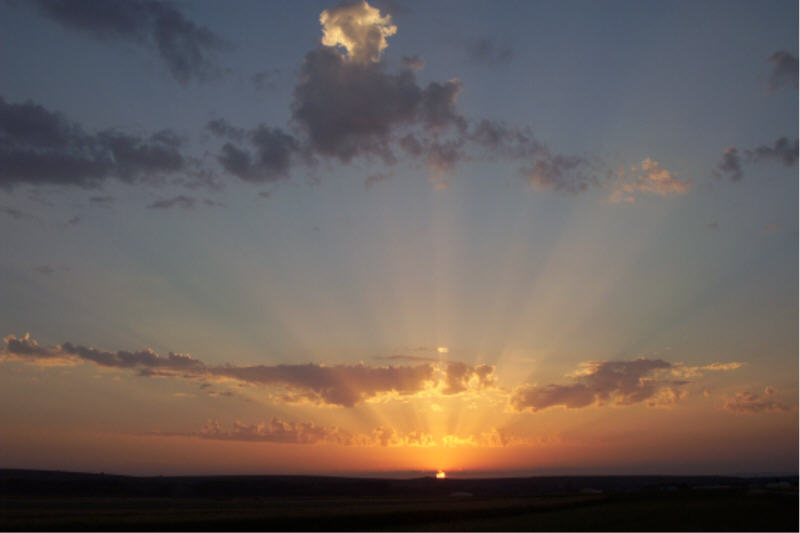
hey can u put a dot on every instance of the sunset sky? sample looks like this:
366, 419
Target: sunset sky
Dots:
489, 238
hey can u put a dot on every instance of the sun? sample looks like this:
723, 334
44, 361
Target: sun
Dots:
440, 474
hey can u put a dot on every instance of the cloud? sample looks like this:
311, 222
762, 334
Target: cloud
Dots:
730, 166
782, 151
649, 177
265, 80
44, 269
486, 52
287, 432
272, 157
147, 359
14, 213
339, 385
460, 377
376, 178
351, 109
101, 201
413, 62
769, 228
784, 70
26, 347
40, 147
620, 382
342, 385
185, 48
358, 28
276, 430
184, 202
684, 371
558, 172
747, 402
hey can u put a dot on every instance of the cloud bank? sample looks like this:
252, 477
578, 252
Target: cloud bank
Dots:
337, 385
41, 147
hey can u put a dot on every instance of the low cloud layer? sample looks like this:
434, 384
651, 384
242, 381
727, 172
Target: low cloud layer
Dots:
285, 432
185, 48
617, 382
41, 147
748, 402
339, 385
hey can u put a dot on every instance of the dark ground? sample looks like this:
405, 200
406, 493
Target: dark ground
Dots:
34, 500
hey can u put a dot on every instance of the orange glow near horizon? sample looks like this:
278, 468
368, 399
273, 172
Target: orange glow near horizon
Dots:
440, 475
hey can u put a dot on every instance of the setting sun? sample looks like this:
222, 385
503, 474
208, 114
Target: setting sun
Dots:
440, 475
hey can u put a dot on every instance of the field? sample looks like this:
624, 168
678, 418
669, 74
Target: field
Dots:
529, 504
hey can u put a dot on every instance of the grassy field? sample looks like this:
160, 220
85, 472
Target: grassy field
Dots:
685, 510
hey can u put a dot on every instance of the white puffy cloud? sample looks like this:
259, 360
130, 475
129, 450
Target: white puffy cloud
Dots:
359, 28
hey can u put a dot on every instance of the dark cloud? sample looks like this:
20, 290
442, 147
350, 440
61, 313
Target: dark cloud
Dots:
349, 109
623, 382
413, 62
16, 214
730, 166
185, 48
747, 402
460, 377
181, 201
783, 151
784, 70
101, 201
44, 269
378, 177
499, 139
221, 128
270, 160
265, 80
559, 172
486, 52
125, 359
342, 385
40, 147
26, 346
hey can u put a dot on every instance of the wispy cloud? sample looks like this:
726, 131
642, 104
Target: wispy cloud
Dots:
784, 70
649, 177
185, 48
748, 402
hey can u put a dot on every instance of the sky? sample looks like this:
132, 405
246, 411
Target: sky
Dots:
393, 238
